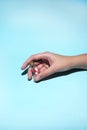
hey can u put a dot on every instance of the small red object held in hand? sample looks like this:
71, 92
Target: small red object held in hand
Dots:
35, 70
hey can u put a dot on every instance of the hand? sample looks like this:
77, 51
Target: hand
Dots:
47, 63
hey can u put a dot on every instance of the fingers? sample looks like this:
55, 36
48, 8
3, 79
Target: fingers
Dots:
39, 72
33, 58
26, 63
29, 73
43, 74
42, 62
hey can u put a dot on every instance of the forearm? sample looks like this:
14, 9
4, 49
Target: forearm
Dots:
79, 61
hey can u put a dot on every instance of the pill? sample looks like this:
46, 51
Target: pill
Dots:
36, 71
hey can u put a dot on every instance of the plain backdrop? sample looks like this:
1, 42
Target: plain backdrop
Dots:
29, 27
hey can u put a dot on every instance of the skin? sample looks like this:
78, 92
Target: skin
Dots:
49, 63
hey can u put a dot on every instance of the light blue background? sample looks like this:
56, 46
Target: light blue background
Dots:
29, 27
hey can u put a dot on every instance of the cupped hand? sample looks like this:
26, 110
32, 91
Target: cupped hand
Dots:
47, 63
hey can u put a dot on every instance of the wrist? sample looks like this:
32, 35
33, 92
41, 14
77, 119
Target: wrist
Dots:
79, 61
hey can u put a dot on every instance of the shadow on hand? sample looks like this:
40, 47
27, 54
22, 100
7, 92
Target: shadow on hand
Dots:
58, 74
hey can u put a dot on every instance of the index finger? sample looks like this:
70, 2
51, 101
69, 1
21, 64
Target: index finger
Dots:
30, 59
26, 63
